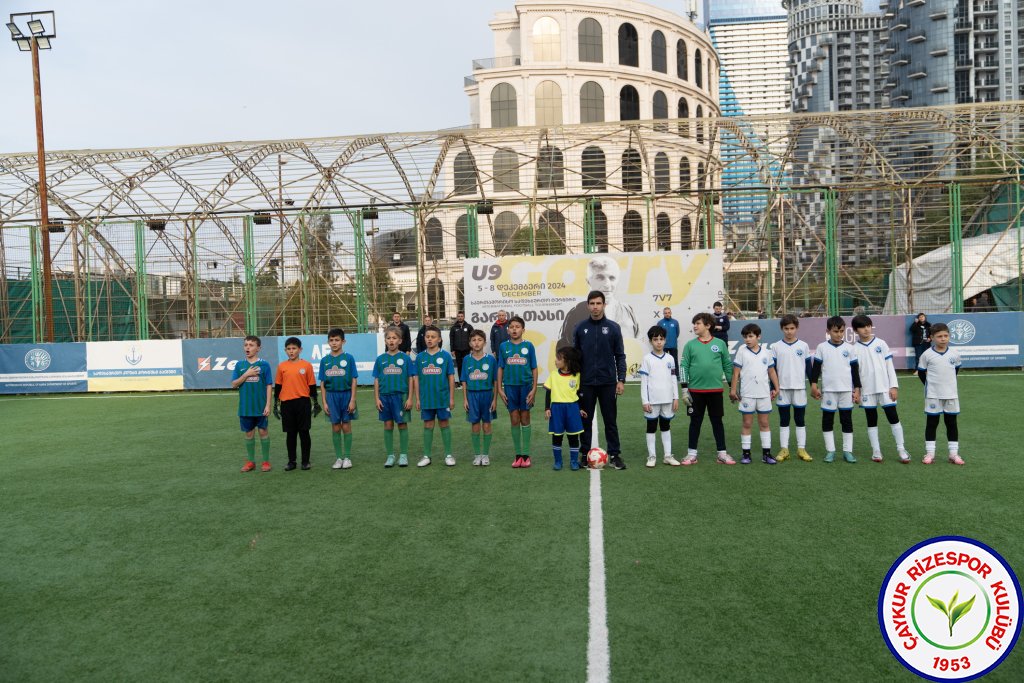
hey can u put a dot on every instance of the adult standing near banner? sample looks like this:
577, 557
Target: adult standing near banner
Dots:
603, 273
602, 375
671, 327
458, 337
920, 336
721, 327
499, 332
421, 339
406, 344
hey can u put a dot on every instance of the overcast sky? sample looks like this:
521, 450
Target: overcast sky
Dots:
140, 73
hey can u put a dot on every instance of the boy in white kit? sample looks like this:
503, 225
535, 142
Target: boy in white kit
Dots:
835, 363
938, 368
659, 394
793, 366
878, 386
754, 385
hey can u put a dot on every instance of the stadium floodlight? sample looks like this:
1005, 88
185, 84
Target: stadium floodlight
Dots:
485, 208
370, 213
40, 40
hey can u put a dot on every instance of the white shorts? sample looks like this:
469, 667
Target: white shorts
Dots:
749, 406
831, 401
660, 410
876, 400
937, 406
792, 397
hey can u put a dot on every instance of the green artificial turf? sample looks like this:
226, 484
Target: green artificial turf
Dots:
131, 548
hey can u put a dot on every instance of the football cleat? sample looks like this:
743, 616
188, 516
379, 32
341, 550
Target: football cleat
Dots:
449, 460
249, 466
670, 460
690, 459
876, 457
265, 467
928, 459
955, 459
725, 459
803, 455
651, 461
848, 457
783, 455
337, 464
424, 461
403, 460
390, 462
346, 464
830, 456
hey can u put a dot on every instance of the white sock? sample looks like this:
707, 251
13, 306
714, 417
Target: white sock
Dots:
784, 437
929, 447
830, 441
691, 451
666, 442
954, 447
847, 443
745, 441
801, 437
897, 435
766, 439
872, 437
650, 445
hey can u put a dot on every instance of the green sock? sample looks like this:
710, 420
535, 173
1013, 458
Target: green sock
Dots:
517, 439
446, 436
403, 441
487, 444
527, 431
250, 449
265, 449
389, 441
428, 441
336, 441
475, 437
347, 439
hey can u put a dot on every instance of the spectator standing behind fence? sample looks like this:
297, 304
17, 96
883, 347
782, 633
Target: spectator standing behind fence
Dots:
458, 337
405, 345
720, 328
499, 332
920, 336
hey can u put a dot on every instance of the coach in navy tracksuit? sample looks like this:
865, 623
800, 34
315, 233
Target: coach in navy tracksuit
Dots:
602, 374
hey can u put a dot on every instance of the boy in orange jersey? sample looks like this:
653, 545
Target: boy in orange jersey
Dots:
294, 388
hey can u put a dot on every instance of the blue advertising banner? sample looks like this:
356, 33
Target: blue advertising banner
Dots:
363, 348
984, 340
42, 368
208, 363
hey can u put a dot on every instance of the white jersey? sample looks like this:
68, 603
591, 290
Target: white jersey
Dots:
791, 363
941, 367
874, 363
835, 366
659, 382
754, 371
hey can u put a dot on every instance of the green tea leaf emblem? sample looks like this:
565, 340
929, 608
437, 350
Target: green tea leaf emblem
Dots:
954, 612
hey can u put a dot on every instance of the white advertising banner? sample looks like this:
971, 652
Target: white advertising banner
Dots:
549, 293
153, 365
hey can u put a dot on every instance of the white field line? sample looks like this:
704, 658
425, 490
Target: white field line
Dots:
598, 656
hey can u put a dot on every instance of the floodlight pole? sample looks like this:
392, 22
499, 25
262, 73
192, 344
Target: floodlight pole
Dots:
44, 213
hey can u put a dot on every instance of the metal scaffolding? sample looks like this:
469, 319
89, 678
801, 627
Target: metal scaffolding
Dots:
295, 235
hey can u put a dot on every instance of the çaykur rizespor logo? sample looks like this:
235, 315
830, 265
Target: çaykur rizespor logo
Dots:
37, 360
949, 609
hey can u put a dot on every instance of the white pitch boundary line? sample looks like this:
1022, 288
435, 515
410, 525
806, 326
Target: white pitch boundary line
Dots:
598, 655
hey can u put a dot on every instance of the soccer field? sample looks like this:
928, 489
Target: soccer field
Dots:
132, 548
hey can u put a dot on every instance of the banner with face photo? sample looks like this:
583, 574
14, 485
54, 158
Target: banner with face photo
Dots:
549, 293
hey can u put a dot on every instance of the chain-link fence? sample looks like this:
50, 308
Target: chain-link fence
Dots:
937, 248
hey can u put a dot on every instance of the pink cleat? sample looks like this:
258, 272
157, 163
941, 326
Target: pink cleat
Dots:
955, 459
928, 459
725, 459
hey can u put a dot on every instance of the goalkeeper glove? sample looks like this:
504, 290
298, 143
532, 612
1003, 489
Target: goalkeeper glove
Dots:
277, 409
316, 409
685, 397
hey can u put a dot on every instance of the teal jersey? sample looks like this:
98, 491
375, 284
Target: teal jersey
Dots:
337, 372
392, 373
517, 362
479, 375
432, 372
252, 394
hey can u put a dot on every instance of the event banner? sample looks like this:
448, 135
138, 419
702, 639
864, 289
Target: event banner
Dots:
363, 348
42, 368
150, 365
549, 293
209, 363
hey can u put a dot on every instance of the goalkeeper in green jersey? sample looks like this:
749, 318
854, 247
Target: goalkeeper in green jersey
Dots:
705, 361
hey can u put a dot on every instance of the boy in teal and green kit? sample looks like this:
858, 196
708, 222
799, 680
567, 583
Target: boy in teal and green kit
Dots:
254, 380
338, 375
391, 373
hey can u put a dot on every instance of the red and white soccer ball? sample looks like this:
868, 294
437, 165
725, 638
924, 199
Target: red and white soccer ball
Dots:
597, 458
